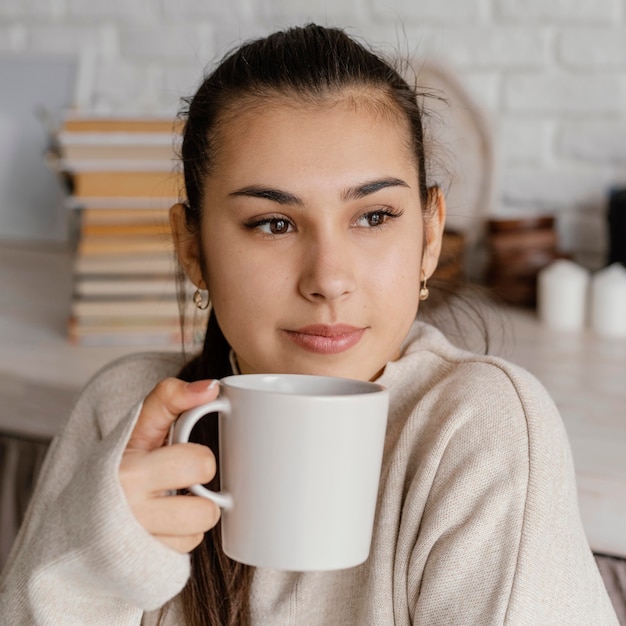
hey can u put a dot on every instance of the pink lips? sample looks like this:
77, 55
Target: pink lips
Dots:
324, 339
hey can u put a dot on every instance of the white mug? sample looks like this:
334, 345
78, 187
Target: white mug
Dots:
300, 460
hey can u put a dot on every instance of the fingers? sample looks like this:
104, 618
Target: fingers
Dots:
146, 477
179, 522
166, 468
181, 544
163, 405
178, 516
148, 471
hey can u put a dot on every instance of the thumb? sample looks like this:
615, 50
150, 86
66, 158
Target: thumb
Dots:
163, 405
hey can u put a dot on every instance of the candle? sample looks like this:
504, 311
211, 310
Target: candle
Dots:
608, 301
562, 295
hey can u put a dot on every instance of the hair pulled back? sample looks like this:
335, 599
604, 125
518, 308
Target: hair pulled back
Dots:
310, 64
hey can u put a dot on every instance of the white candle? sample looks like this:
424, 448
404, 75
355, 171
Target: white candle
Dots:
562, 295
608, 301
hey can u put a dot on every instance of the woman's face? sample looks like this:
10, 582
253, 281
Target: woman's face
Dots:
312, 237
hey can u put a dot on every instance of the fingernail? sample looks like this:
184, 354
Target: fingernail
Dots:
201, 386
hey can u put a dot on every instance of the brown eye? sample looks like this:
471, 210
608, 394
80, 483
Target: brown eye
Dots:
278, 226
375, 219
271, 225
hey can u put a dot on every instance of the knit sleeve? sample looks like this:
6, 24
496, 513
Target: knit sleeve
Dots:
81, 558
501, 541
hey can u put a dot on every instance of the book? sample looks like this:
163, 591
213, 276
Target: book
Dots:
118, 164
81, 122
127, 229
123, 181
129, 244
124, 215
147, 308
88, 286
120, 203
163, 184
80, 151
160, 263
138, 333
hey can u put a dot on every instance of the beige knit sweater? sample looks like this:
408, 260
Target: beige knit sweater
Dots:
477, 519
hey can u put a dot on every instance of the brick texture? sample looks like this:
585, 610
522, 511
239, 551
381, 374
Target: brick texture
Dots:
591, 48
599, 142
561, 11
562, 93
485, 47
443, 11
549, 74
144, 10
525, 141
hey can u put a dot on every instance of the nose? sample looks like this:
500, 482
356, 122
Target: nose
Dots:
327, 270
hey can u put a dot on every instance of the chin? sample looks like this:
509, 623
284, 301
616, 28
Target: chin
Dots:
340, 371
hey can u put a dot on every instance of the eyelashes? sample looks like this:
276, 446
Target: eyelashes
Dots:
271, 225
277, 225
378, 218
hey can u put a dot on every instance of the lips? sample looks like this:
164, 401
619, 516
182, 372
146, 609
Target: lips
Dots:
326, 339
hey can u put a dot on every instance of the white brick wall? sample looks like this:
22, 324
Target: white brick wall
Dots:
172, 42
524, 141
439, 11
64, 39
551, 74
486, 47
591, 48
561, 11
122, 10
600, 142
563, 93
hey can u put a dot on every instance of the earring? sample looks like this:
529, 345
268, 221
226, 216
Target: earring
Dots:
201, 301
424, 291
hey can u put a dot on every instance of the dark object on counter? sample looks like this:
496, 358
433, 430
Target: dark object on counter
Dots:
617, 227
451, 265
518, 248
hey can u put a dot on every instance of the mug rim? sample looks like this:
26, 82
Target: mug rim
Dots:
345, 387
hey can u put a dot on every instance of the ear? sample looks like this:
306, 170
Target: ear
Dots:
433, 231
187, 246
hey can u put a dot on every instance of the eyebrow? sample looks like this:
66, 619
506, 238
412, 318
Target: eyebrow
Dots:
365, 189
286, 198
267, 193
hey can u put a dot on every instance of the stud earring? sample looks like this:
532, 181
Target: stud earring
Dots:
201, 301
424, 291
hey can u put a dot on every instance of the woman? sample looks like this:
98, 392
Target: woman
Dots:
310, 222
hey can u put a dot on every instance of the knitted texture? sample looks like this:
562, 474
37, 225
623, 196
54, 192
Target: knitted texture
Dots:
477, 519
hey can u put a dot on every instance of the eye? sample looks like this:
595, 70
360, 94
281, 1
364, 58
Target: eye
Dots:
377, 218
271, 225
277, 226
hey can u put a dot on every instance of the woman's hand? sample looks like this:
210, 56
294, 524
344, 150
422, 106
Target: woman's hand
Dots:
149, 470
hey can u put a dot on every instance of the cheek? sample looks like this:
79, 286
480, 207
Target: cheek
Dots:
243, 284
402, 266
229, 282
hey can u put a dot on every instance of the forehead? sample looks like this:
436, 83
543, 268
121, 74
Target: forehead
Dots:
352, 127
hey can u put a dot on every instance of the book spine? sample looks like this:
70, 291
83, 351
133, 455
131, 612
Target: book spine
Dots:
123, 245
144, 264
161, 230
124, 215
95, 124
121, 184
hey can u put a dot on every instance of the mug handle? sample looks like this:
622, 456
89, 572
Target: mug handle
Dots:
181, 429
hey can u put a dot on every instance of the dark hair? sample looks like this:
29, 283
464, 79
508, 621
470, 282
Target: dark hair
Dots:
308, 64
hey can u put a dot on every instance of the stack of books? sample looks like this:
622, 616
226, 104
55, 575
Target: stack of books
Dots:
123, 178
